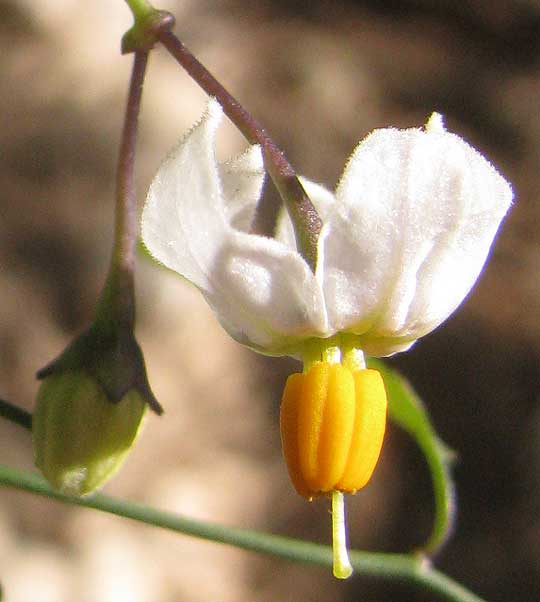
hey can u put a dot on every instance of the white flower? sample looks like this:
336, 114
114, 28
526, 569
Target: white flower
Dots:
405, 236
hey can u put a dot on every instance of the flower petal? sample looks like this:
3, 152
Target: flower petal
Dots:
184, 219
265, 295
415, 217
263, 292
242, 179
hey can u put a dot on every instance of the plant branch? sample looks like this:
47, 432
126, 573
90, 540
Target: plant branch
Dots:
401, 567
15, 414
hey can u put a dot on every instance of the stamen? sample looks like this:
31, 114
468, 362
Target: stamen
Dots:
332, 355
353, 358
342, 565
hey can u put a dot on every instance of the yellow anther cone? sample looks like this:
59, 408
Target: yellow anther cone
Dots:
368, 430
332, 428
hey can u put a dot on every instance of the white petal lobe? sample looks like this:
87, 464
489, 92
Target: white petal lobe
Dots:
242, 179
415, 217
183, 221
195, 222
265, 295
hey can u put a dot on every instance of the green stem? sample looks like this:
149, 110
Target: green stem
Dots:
15, 414
140, 9
401, 567
407, 410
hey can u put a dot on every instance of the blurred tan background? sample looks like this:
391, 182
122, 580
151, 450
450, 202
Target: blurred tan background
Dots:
320, 75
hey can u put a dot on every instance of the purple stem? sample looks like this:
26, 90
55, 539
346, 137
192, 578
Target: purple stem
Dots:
117, 302
306, 221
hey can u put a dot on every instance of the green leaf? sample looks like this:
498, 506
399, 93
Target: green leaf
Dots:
406, 409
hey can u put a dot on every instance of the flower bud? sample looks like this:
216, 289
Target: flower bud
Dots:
81, 438
332, 428
90, 408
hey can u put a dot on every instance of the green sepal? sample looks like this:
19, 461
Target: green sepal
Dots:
407, 410
112, 357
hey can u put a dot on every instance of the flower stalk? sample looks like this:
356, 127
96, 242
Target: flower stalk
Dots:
152, 25
117, 303
306, 221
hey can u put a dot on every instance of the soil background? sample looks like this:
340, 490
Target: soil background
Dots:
319, 75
